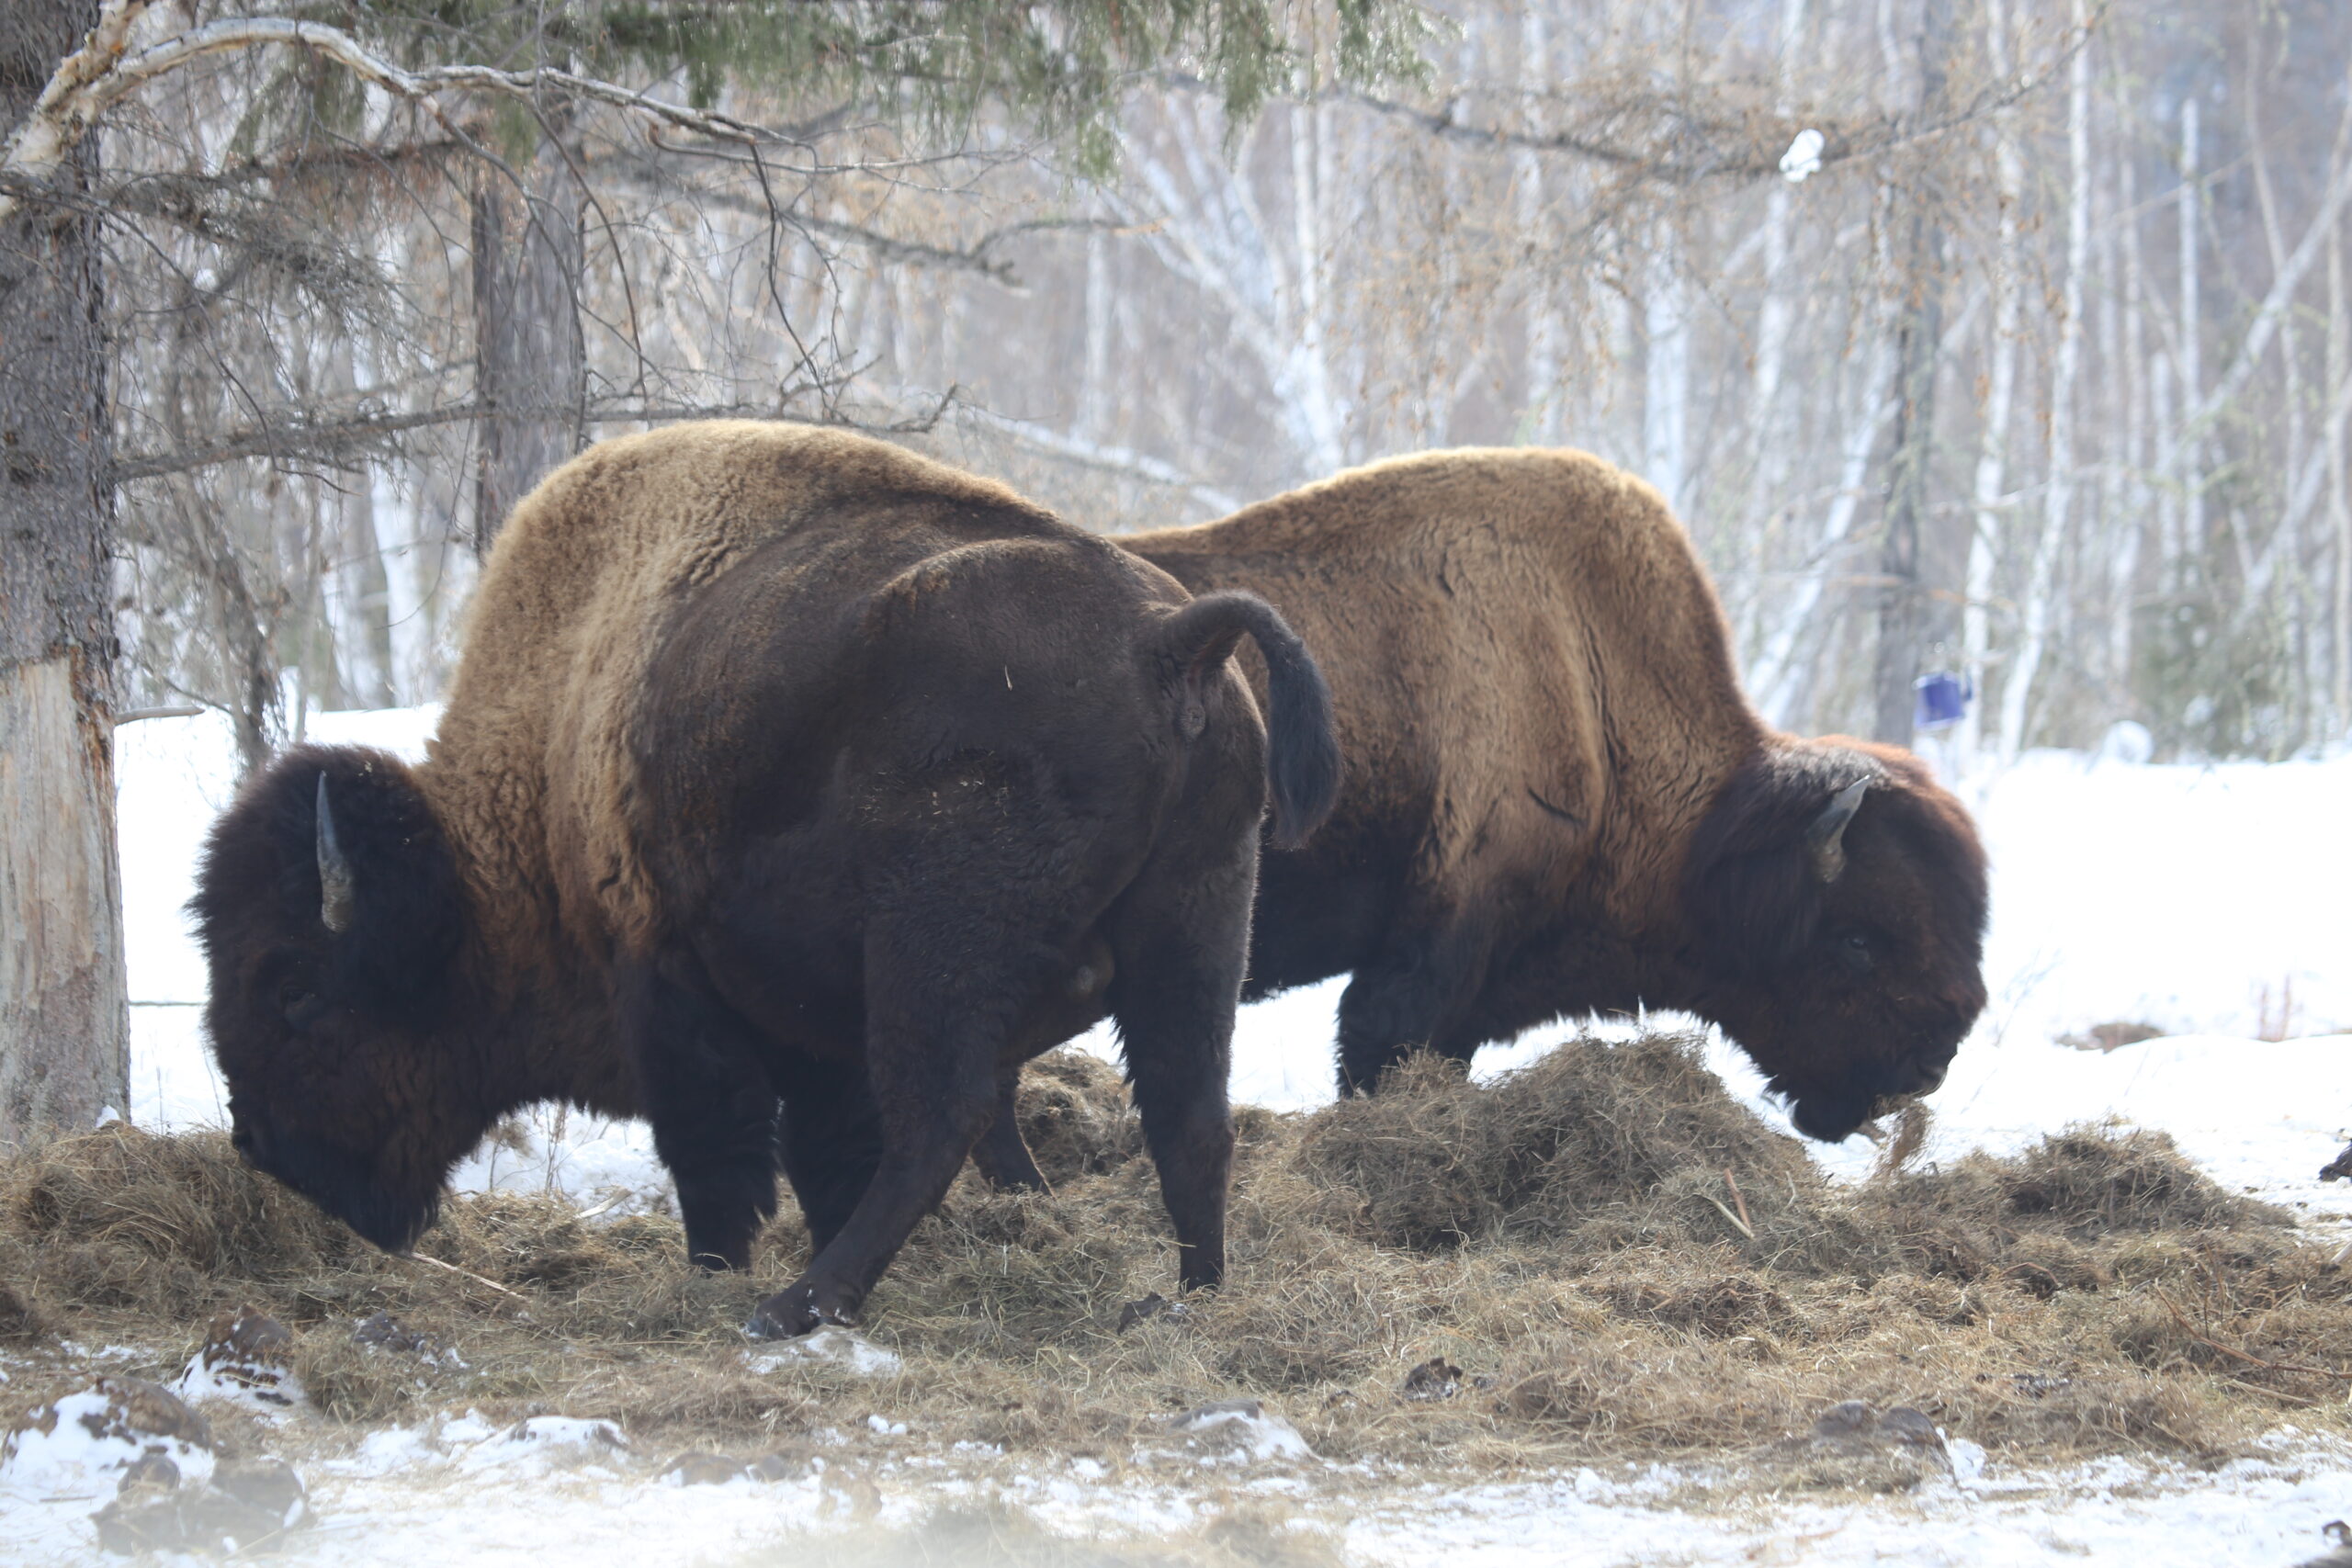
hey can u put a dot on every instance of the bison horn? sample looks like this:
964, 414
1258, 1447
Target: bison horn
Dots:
1825, 839
336, 890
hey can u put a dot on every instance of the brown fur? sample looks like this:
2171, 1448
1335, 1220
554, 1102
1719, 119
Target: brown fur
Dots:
1556, 798
793, 790
531, 769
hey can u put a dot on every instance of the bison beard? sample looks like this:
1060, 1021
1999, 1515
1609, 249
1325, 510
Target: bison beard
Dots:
793, 791
1558, 800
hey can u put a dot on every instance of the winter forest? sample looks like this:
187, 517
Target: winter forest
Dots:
2035, 370
1220, 1108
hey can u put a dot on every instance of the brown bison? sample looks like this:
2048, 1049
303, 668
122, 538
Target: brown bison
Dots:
785, 766
1557, 799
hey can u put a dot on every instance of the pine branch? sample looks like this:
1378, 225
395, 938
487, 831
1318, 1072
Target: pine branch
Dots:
104, 71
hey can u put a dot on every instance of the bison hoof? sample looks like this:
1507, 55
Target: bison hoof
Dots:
790, 1313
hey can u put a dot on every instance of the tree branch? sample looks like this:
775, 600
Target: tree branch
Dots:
1754, 158
342, 442
102, 73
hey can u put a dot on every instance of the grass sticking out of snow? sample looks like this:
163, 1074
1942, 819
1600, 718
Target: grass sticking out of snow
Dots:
1621, 1258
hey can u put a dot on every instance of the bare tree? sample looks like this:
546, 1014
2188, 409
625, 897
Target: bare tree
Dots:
64, 1043
282, 194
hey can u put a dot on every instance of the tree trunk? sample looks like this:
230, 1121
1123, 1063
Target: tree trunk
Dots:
2001, 353
530, 369
2189, 483
64, 1027
2041, 575
1666, 361
1541, 419
1902, 614
2339, 496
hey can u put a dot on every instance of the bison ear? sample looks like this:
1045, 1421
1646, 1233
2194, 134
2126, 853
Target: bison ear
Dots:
362, 858
1767, 849
337, 894
1825, 837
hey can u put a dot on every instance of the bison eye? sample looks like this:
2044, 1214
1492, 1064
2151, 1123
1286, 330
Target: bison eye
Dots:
1855, 949
298, 1002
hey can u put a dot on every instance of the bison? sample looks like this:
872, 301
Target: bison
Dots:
781, 767
1557, 799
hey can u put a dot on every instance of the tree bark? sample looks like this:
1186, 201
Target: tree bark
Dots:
2058, 496
2188, 483
65, 1025
1902, 614
2001, 354
530, 367
2339, 495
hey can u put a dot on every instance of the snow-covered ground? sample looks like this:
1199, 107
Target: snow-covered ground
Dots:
2208, 902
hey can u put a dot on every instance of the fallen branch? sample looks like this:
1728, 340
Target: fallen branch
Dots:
1733, 1182
467, 1274
1742, 1226
2234, 1354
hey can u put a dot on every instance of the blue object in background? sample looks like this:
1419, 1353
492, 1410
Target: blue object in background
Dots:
1940, 700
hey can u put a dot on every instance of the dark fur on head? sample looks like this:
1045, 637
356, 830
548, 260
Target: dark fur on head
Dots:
309, 1023
1849, 989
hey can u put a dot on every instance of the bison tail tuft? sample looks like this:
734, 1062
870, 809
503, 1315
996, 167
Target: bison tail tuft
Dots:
1302, 745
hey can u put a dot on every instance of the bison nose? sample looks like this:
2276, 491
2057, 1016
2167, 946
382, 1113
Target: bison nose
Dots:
1917, 1077
251, 1142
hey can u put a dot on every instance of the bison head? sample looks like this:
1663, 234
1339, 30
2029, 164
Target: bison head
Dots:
330, 913
1838, 899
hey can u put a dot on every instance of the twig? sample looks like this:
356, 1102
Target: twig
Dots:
2247, 1356
1732, 1182
2278, 1394
465, 1274
1726, 1213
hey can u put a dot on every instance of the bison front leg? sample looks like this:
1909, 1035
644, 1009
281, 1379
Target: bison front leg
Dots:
833, 1140
1411, 996
933, 1033
713, 1110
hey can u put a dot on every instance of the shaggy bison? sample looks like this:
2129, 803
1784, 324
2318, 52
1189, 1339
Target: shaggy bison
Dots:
786, 766
1557, 799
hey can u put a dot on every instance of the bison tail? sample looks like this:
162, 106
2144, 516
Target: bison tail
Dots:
1302, 748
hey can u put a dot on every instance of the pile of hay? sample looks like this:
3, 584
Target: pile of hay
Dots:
1619, 1259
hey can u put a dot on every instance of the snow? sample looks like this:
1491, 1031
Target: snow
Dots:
88, 1443
831, 1344
541, 1445
2262, 1512
1241, 1430
2206, 902
267, 1391
1803, 157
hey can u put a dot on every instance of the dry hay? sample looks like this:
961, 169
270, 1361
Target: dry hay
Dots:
1623, 1260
